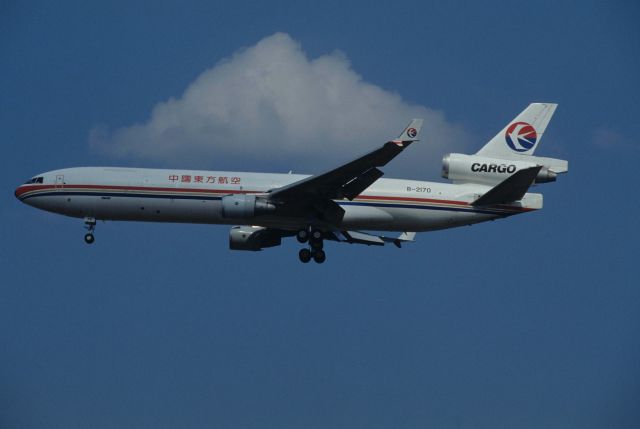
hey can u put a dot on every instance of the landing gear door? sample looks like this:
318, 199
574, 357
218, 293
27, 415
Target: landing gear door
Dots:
59, 180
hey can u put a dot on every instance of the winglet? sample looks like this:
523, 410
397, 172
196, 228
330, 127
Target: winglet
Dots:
410, 133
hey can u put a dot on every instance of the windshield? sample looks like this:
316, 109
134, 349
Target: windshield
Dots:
34, 180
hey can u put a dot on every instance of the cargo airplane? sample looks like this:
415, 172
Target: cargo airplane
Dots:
344, 204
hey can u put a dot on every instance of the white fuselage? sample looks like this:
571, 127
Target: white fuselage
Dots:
138, 194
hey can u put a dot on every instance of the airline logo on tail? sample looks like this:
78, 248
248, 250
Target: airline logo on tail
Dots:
521, 136
412, 132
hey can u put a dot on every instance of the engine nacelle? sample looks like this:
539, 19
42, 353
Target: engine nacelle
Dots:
478, 169
244, 206
253, 238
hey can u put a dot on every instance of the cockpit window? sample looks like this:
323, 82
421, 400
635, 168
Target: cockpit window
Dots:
34, 180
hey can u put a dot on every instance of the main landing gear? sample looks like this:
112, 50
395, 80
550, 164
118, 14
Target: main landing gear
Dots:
90, 225
315, 238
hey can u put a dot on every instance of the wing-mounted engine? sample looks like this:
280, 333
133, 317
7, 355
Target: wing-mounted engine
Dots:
254, 238
244, 206
462, 168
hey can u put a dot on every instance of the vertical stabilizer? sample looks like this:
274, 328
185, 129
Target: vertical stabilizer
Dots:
522, 135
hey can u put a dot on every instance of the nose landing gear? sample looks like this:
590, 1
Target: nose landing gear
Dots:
90, 225
315, 238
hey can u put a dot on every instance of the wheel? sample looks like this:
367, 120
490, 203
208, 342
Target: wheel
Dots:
319, 256
316, 235
302, 236
89, 238
304, 255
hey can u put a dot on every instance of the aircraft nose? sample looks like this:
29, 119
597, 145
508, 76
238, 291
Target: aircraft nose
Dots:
18, 192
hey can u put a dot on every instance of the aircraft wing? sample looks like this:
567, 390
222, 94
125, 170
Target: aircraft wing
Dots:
348, 180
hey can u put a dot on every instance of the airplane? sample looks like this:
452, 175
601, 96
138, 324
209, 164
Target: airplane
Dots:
344, 204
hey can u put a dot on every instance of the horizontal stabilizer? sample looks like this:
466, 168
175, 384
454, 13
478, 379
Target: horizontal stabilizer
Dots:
558, 166
511, 189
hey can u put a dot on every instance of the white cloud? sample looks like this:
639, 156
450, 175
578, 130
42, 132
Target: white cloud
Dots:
271, 103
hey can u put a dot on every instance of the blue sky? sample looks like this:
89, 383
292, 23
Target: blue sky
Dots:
531, 321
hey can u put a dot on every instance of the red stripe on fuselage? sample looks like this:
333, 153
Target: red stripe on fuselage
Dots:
418, 200
29, 188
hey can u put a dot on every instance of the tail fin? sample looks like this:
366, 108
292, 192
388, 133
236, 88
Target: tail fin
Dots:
522, 135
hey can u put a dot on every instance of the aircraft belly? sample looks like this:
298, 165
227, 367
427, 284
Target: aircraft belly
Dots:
431, 220
159, 210
67, 205
407, 219
366, 217
131, 208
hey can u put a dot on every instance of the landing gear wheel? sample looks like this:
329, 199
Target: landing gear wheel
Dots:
302, 236
316, 235
304, 255
90, 225
319, 256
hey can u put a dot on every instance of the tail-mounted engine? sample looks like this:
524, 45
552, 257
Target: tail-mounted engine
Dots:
478, 169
